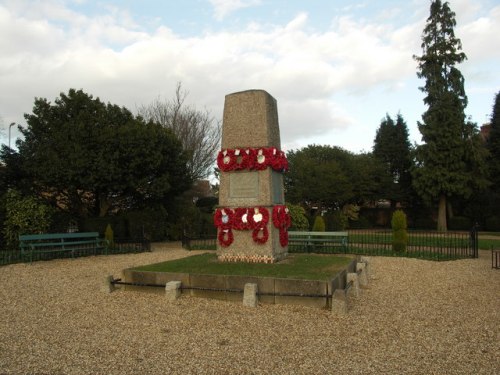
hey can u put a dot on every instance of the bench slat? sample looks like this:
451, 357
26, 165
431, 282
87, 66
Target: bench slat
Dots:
46, 243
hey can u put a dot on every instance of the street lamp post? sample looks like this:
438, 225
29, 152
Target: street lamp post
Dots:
10, 126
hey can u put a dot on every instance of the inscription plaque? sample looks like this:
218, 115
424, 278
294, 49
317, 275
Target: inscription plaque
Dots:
244, 185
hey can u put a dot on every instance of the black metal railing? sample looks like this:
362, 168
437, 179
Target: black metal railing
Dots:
495, 258
201, 243
421, 244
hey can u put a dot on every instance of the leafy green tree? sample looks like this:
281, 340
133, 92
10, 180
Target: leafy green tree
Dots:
446, 160
316, 177
330, 177
392, 147
92, 158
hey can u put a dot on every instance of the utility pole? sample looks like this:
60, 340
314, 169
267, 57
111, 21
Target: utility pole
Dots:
10, 126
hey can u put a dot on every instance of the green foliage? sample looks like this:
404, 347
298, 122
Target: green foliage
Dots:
493, 144
336, 221
459, 223
392, 147
450, 162
319, 224
298, 217
330, 177
25, 215
92, 158
399, 231
109, 236
492, 224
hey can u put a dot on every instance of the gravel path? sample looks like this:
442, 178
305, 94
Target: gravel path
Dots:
416, 317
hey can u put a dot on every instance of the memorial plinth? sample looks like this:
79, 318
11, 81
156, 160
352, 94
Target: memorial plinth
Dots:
251, 198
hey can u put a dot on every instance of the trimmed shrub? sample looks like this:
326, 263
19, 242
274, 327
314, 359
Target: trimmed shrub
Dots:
399, 231
109, 236
319, 224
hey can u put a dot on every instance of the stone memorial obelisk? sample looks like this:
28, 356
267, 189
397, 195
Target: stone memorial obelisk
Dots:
251, 197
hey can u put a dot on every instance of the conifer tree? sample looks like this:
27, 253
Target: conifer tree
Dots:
443, 168
493, 144
392, 147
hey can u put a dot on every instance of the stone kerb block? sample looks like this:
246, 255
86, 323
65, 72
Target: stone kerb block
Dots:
250, 298
172, 290
339, 302
108, 285
352, 276
368, 268
362, 277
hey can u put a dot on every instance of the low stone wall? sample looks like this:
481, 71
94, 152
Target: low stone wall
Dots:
312, 293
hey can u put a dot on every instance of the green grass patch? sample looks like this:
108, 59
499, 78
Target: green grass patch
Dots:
296, 266
487, 244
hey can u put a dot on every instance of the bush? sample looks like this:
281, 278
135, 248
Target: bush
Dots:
399, 232
336, 221
298, 217
361, 223
108, 235
459, 223
25, 215
99, 224
424, 222
319, 224
492, 224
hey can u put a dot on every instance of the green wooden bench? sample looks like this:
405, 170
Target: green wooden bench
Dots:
31, 244
317, 241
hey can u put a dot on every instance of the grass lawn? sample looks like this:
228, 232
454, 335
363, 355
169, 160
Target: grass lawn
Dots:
296, 266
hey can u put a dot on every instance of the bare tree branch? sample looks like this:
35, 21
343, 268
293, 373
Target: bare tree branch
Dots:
198, 131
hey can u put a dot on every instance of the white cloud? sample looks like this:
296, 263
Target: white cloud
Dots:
306, 71
224, 7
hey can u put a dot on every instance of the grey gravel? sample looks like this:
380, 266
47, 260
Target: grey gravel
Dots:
415, 317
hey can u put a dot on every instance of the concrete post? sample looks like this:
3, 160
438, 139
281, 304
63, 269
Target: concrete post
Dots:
352, 276
173, 290
339, 302
250, 295
368, 270
108, 285
362, 277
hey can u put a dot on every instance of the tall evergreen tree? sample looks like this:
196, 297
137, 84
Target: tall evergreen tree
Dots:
493, 144
392, 147
443, 167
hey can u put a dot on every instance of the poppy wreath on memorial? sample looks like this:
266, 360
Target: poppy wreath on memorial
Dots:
223, 220
258, 159
242, 218
258, 219
282, 221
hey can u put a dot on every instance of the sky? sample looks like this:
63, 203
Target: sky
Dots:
335, 67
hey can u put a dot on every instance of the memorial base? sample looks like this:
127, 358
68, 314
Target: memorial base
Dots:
244, 249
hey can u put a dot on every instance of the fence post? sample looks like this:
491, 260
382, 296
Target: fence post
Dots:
474, 237
185, 241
